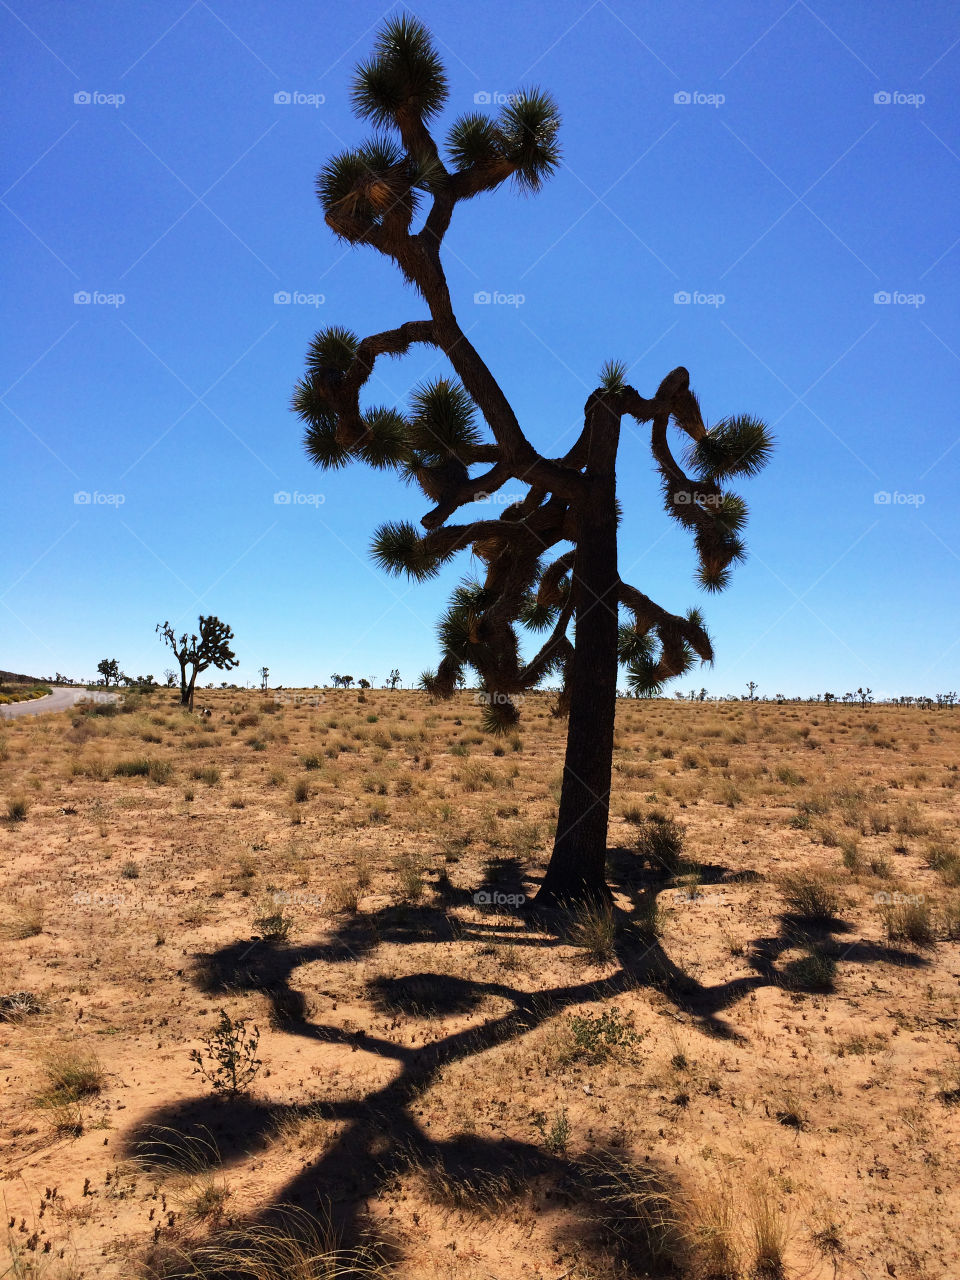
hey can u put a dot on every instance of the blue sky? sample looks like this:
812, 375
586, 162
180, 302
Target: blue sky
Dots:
813, 167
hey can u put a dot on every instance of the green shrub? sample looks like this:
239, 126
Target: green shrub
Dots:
229, 1062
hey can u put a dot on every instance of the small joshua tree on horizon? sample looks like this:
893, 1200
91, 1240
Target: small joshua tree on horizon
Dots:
459, 440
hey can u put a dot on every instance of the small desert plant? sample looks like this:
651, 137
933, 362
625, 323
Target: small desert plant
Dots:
811, 898
272, 924
411, 882
130, 871
132, 768
769, 1234
345, 897
228, 1062
909, 922
71, 1074
815, 971
160, 772
597, 1036
301, 792
593, 928
24, 921
17, 808
556, 1134
660, 841
637, 1211
710, 1229
209, 775
18, 1005
299, 1247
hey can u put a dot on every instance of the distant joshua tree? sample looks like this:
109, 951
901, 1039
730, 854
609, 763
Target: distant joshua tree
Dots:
372, 195
109, 668
752, 690
264, 674
364, 684
393, 679
864, 696
210, 647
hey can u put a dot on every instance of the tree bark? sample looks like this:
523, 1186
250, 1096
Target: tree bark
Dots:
577, 869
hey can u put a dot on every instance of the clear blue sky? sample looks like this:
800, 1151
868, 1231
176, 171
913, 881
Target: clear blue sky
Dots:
798, 197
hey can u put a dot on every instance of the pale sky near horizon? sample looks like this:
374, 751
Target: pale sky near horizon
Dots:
765, 192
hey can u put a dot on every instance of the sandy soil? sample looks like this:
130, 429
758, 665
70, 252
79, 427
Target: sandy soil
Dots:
756, 1071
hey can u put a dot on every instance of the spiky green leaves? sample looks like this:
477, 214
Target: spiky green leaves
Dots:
398, 548
613, 375
384, 443
309, 402
535, 616
404, 78
500, 714
474, 140
522, 141
332, 348
360, 188
443, 422
738, 446
530, 126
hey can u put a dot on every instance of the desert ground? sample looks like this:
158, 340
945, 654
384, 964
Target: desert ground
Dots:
752, 1068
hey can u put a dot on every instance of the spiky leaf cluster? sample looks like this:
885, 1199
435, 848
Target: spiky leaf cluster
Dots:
523, 141
404, 79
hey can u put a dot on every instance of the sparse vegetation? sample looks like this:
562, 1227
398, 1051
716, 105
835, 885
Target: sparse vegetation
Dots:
734, 908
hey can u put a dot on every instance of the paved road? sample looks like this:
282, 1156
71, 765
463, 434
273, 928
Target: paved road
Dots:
60, 700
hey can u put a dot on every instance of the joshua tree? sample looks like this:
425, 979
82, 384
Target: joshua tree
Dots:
264, 674
373, 195
211, 648
393, 679
363, 683
752, 690
864, 696
109, 668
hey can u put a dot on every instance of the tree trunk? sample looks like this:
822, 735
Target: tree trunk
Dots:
186, 691
577, 869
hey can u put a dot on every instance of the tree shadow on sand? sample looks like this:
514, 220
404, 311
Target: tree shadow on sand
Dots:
380, 1137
